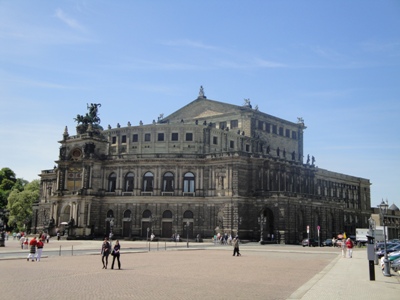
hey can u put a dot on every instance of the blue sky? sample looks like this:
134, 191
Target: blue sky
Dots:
336, 64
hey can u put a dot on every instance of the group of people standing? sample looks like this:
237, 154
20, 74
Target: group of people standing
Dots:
106, 251
347, 248
36, 248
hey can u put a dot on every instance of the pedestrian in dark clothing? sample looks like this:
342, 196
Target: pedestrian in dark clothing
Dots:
236, 246
116, 253
105, 251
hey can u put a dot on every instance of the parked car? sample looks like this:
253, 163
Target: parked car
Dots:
327, 243
391, 249
309, 242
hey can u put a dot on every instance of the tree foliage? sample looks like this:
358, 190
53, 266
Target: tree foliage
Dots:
20, 204
7, 183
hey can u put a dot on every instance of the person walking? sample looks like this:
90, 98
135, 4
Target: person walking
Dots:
39, 246
32, 249
116, 253
105, 251
236, 246
350, 246
22, 241
343, 246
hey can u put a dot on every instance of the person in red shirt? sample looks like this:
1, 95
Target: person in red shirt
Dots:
39, 246
32, 249
349, 245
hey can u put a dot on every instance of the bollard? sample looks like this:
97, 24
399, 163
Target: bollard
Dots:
157, 246
60, 251
72, 250
149, 247
371, 256
165, 246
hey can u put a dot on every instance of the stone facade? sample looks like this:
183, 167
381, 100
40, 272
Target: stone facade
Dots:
208, 167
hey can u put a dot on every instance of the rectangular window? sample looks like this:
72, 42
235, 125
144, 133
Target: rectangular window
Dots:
231, 144
247, 148
268, 127
294, 135
114, 140
274, 129
160, 137
287, 133
234, 124
222, 125
260, 125
215, 140
123, 139
135, 138
147, 137
281, 131
174, 136
189, 136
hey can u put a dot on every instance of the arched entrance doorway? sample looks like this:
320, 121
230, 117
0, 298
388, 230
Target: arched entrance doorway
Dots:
187, 226
266, 223
127, 224
166, 231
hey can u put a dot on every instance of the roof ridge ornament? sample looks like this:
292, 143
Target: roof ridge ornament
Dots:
201, 92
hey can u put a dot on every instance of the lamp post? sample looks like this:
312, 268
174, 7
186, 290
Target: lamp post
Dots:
383, 208
187, 226
262, 220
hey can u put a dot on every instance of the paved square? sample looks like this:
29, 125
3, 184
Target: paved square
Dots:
260, 273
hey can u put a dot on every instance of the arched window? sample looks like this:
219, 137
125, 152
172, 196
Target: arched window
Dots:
127, 214
110, 214
168, 182
129, 182
112, 182
148, 180
167, 214
188, 183
146, 214
188, 214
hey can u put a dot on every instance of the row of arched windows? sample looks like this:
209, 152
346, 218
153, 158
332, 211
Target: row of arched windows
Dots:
147, 214
168, 182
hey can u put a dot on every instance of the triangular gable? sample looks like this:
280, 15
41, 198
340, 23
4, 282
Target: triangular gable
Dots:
202, 108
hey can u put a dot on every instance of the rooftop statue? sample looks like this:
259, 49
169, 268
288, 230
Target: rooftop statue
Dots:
91, 118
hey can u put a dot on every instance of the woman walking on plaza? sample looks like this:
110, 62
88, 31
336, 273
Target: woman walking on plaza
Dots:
116, 253
349, 245
236, 246
105, 251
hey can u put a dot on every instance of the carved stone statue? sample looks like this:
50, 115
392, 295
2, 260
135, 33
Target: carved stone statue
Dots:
201, 92
91, 118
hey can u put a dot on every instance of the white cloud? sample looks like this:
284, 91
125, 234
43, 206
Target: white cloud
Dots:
72, 23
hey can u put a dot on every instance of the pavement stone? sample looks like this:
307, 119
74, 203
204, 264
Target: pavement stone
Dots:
202, 271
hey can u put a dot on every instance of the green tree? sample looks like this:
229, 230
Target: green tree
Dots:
7, 182
20, 204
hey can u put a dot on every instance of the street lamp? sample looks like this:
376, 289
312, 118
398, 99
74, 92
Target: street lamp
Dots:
262, 220
383, 208
187, 225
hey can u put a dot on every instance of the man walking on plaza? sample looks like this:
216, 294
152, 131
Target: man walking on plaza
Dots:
32, 249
